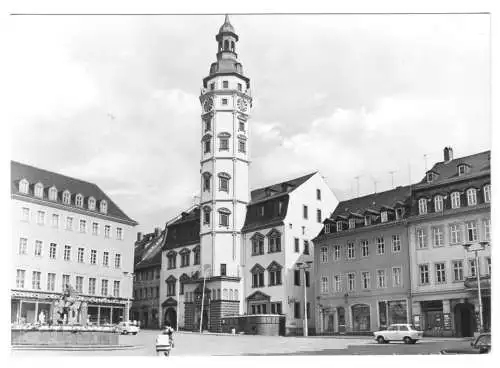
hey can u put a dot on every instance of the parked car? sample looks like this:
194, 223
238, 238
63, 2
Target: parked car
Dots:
398, 332
126, 328
481, 345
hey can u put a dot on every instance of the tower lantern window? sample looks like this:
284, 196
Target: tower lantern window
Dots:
226, 45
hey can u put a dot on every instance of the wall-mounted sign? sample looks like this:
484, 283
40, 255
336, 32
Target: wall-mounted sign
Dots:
447, 321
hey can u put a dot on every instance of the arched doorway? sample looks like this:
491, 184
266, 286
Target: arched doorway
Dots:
171, 317
360, 317
464, 320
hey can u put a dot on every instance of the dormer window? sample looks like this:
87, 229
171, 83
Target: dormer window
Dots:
352, 223
430, 177
455, 200
487, 193
462, 169
24, 186
39, 190
339, 225
399, 213
471, 197
368, 220
438, 203
79, 200
53, 194
422, 206
92, 203
327, 228
66, 197
103, 206
383, 216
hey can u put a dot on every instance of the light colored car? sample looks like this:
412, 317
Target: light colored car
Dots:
398, 332
127, 328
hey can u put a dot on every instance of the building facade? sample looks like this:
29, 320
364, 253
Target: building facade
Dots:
147, 268
68, 234
450, 208
280, 223
361, 259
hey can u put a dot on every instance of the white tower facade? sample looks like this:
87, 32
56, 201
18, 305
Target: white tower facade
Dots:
226, 101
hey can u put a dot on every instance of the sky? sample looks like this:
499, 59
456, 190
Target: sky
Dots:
114, 99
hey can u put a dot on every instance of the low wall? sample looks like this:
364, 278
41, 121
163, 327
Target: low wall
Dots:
63, 338
257, 324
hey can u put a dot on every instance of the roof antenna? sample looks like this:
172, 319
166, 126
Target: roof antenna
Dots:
357, 180
375, 183
425, 160
409, 173
392, 177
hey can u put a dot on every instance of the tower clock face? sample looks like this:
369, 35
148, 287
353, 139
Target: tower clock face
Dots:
242, 104
208, 104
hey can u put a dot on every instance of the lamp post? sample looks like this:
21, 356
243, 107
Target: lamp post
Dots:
304, 266
476, 247
130, 275
205, 269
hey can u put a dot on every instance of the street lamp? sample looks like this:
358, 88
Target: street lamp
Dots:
130, 275
304, 266
476, 247
206, 268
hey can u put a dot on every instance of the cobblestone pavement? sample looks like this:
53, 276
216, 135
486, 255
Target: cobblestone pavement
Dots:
193, 344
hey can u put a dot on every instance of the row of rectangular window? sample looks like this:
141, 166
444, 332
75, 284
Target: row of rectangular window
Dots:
185, 259
457, 268
456, 234
25, 216
36, 283
274, 245
224, 145
471, 195
274, 278
305, 212
223, 215
381, 282
297, 245
350, 249
225, 84
212, 294
261, 308
147, 275
66, 196
147, 293
38, 251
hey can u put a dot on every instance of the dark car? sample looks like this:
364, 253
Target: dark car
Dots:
482, 345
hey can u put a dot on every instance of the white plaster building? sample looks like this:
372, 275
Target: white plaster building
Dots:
66, 231
281, 221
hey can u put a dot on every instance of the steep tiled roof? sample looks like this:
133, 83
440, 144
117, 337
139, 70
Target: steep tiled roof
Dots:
150, 254
372, 201
278, 189
275, 200
184, 230
479, 162
34, 175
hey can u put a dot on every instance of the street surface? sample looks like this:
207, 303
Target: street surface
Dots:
193, 344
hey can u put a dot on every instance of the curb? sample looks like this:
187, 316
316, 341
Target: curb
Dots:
76, 347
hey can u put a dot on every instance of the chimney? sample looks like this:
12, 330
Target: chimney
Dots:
139, 236
448, 154
157, 231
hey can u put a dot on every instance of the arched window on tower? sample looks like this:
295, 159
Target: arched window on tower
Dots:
226, 45
224, 217
206, 181
224, 182
206, 215
232, 46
